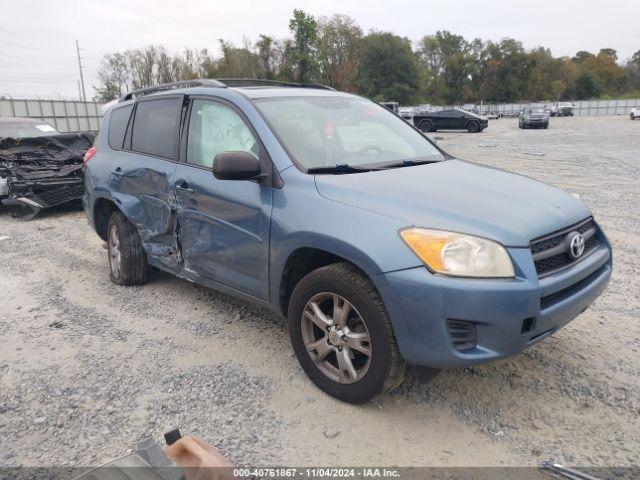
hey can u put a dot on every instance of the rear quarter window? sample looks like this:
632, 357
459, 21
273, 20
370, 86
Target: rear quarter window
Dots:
155, 127
118, 126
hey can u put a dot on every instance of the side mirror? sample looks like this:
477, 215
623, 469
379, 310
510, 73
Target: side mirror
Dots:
236, 166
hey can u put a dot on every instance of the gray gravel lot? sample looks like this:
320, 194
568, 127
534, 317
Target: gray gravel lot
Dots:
87, 368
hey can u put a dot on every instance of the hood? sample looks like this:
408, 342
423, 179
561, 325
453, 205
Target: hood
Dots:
459, 196
475, 115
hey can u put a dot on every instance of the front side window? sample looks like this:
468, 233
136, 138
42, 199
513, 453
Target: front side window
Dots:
155, 128
328, 131
215, 128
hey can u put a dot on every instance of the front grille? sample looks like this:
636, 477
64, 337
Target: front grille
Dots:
551, 253
462, 334
59, 195
552, 299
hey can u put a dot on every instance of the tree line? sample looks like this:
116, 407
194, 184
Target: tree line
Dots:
441, 69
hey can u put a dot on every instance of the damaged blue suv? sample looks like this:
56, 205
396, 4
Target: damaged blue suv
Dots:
381, 249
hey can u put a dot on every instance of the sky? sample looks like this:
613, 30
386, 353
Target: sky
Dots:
37, 38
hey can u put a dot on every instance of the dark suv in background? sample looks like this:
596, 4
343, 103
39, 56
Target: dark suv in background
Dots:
451, 119
380, 248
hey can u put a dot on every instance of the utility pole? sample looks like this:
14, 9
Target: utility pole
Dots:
84, 95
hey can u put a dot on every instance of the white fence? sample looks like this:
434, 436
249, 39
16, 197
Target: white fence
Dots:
65, 115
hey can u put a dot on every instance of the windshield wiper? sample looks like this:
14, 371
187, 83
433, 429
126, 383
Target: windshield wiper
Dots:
341, 168
404, 163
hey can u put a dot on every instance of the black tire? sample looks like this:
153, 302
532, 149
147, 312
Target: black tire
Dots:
132, 259
473, 127
426, 126
632, 116
546, 126
386, 369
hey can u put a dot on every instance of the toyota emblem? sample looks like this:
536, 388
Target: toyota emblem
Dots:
576, 245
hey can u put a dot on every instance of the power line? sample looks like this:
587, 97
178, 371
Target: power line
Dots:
84, 95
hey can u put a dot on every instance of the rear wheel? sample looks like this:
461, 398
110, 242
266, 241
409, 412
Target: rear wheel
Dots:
342, 335
426, 126
473, 127
127, 259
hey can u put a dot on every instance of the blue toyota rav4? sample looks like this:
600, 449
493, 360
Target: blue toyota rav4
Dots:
380, 248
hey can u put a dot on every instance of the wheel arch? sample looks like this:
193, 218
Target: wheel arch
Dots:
102, 209
289, 269
425, 121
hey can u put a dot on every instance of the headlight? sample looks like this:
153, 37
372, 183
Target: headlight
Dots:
458, 254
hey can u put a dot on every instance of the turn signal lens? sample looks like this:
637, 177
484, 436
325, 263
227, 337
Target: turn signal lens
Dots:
88, 155
457, 254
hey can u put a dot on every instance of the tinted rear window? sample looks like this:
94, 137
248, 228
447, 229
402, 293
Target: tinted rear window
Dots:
118, 126
155, 128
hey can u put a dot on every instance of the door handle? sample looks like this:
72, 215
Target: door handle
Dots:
184, 187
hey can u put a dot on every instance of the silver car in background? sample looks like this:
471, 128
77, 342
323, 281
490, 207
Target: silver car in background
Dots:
533, 117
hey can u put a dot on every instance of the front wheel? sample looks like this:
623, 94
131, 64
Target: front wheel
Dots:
632, 116
426, 126
342, 335
473, 127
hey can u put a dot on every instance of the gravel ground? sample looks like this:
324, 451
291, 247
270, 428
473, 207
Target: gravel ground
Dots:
88, 368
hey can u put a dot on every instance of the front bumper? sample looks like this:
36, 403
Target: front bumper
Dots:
420, 304
537, 122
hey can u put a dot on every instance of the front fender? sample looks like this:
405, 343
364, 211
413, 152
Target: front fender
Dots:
302, 218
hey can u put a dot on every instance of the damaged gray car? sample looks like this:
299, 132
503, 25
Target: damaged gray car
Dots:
39, 166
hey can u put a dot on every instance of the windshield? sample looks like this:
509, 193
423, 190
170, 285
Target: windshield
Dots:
328, 131
26, 130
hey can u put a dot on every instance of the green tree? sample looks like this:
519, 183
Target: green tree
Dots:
581, 56
238, 62
507, 71
558, 88
610, 52
339, 39
447, 60
587, 87
266, 47
305, 49
388, 69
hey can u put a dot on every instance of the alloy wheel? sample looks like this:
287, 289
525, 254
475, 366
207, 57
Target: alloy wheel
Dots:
115, 255
336, 338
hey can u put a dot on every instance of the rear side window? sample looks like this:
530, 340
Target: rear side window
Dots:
155, 128
118, 126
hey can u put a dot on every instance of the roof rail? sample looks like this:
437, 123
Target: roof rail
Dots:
259, 82
171, 86
218, 83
